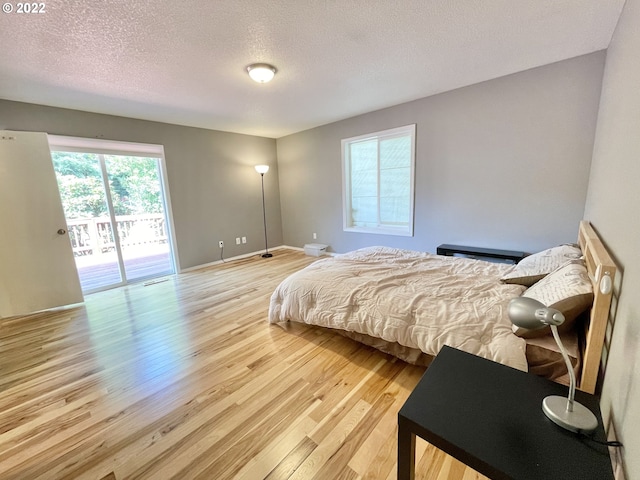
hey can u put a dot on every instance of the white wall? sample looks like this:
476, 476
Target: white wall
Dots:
502, 164
613, 206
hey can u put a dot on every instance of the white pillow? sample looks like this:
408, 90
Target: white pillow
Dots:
537, 266
568, 289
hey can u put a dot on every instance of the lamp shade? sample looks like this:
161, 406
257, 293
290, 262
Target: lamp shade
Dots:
261, 72
262, 169
531, 314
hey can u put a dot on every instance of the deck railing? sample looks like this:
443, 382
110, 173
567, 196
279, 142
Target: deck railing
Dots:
91, 236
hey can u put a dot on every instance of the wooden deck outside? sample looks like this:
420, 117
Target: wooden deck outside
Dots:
144, 242
102, 271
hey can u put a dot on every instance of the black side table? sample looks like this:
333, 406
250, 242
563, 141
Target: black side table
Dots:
489, 416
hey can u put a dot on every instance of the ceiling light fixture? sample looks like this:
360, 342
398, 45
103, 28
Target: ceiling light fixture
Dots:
261, 72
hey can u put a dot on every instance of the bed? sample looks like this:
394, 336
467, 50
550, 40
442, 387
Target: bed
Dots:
410, 304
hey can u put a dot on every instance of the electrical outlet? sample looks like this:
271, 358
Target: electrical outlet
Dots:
244, 239
315, 235
221, 244
237, 240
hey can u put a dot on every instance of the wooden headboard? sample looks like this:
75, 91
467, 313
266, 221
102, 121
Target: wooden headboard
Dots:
602, 271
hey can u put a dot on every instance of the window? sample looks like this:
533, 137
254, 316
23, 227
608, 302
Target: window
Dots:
377, 172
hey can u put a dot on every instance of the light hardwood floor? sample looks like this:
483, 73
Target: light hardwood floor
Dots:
185, 379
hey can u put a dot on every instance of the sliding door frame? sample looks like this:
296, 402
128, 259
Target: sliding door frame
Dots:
112, 147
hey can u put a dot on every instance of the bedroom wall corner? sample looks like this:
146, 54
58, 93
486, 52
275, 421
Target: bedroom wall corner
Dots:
613, 203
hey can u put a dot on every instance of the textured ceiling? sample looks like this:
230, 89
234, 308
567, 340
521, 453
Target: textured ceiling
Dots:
184, 61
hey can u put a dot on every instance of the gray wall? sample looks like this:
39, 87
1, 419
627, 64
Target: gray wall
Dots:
613, 206
215, 192
503, 164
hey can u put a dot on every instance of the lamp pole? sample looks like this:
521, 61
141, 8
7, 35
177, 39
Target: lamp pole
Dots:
262, 169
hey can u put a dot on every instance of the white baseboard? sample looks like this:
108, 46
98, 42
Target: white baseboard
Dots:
292, 248
237, 257
247, 255
299, 249
617, 461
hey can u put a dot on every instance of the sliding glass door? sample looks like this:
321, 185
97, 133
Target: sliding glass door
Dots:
86, 209
142, 227
116, 216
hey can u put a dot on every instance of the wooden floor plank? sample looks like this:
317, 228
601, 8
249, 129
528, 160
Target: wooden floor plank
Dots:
185, 379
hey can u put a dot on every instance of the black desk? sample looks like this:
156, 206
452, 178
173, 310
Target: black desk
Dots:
490, 417
512, 255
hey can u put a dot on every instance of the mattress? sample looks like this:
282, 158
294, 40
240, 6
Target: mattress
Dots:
416, 300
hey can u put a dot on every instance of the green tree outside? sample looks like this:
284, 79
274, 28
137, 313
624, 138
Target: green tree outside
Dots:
134, 183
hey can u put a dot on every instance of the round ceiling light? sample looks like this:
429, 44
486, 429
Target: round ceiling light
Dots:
261, 72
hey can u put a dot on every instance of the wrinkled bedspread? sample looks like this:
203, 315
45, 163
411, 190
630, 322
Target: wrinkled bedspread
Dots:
416, 299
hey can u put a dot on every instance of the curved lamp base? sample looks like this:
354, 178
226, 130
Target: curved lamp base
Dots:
267, 255
581, 419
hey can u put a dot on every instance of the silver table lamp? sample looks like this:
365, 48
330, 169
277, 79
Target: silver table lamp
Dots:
529, 313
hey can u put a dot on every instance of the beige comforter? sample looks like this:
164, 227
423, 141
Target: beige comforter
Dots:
416, 299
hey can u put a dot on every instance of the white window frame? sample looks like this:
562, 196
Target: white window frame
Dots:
380, 229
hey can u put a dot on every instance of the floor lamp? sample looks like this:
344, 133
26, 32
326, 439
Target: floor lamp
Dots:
262, 169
